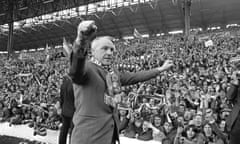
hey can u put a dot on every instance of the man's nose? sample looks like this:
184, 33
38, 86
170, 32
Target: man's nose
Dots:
109, 51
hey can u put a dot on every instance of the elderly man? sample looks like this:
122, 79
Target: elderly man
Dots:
97, 85
233, 120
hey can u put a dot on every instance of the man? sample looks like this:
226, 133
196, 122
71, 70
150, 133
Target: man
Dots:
67, 106
233, 120
95, 85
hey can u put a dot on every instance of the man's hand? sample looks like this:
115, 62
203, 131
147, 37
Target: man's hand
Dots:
149, 125
179, 130
86, 29
166, 65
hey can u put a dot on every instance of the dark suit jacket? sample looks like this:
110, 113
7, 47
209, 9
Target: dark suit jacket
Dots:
234, 98
145, 136
94, 121
123, 124
67, 97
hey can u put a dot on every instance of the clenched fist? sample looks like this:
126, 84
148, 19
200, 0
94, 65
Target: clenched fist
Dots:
87, 29
166, 65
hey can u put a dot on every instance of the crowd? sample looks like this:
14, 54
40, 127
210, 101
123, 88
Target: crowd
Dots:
30, 90
187, 104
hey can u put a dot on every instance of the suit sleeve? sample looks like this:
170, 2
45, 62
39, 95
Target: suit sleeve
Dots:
78, 62
218, 132
232, 93
62, 94
133, 78
123, 125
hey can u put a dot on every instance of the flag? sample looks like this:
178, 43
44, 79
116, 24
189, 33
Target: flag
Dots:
238, 33
47, 53
46, 49
174, 2
67, 47
136, 34
227, 34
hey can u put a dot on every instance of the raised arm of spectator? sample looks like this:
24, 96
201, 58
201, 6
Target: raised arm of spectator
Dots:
86, 32
178, 135
155, 130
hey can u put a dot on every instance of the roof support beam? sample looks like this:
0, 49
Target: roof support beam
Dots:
31, 36
164, 27
67, 33
145, 20
131, 27
102, 27
203, 22
181, 13
42, 40
224, 19
116, 26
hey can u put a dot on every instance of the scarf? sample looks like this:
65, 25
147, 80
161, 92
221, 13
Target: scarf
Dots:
112, 95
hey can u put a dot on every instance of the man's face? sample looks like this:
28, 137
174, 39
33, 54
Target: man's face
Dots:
157, 121
122, 112
187, 115
208, 130
167, 127
103, 50
144, 126
198, 120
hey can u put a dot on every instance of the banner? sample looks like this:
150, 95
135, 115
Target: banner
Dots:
208, 43
24, 56
235, 60
202, 38
24, 74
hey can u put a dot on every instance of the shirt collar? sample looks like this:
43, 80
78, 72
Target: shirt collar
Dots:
97, 62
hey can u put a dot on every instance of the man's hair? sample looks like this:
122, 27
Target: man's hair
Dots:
95, 41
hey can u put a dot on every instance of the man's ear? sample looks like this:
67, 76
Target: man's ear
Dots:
92, 51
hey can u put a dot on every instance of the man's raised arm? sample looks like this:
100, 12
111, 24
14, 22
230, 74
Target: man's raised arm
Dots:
86, 32
133, 78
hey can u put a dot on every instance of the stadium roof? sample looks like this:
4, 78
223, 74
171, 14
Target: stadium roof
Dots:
147, 16
23, 9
